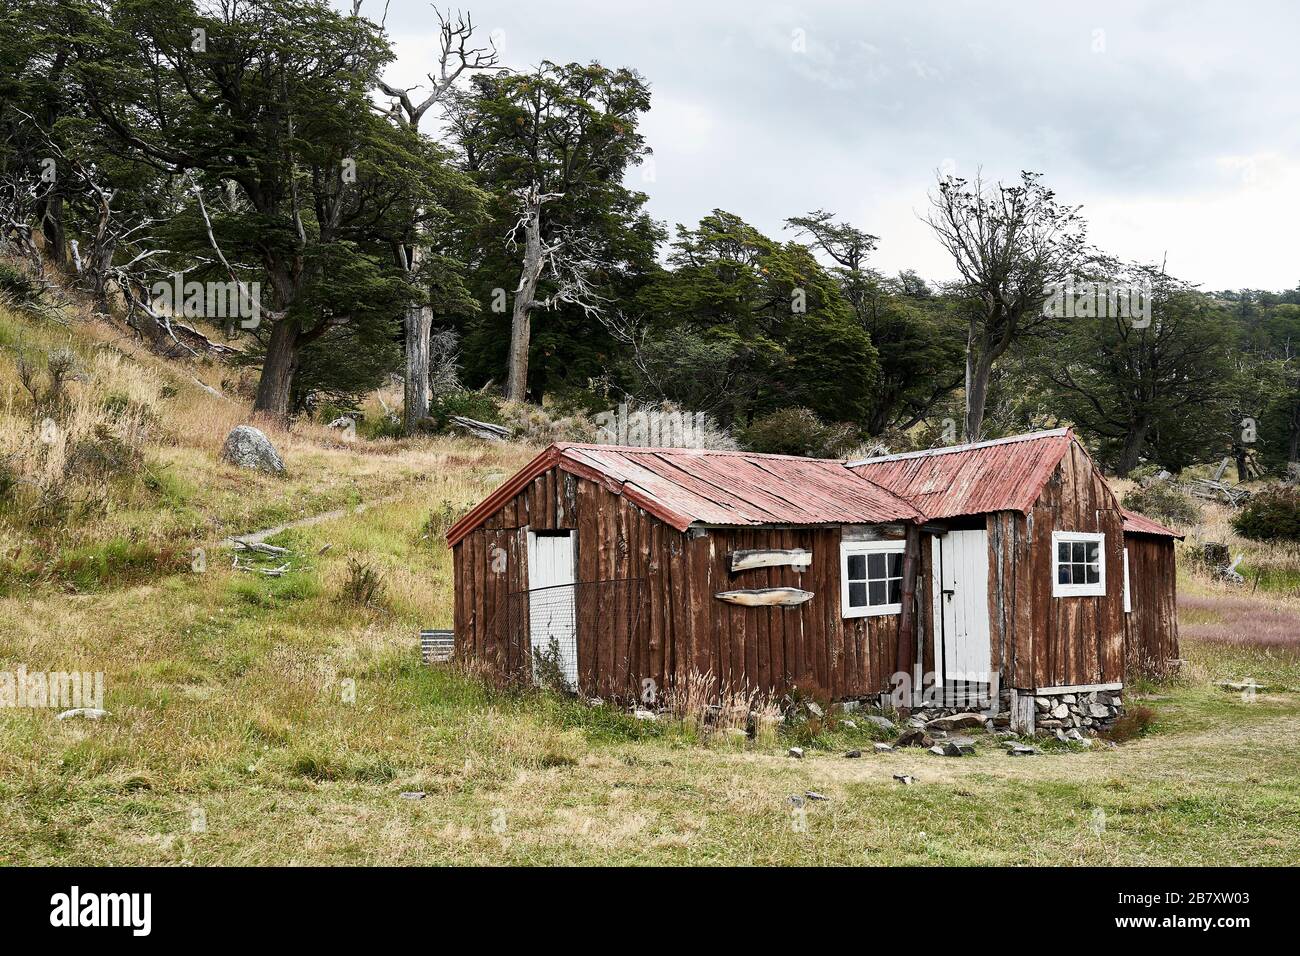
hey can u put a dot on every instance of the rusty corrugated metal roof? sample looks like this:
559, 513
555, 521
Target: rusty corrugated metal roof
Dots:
1135, 523
685, 486
1006, 474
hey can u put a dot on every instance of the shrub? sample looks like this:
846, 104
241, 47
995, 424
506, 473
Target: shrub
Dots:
1270, 515
797, 431
1135, 722
440, 520
363, 586
548, 666
1165, 502
19, 289
540, 425
467, 404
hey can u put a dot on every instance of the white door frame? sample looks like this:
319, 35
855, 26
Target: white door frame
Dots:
552, 608
963, 653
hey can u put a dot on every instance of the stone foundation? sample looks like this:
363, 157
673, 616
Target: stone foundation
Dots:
1086, 711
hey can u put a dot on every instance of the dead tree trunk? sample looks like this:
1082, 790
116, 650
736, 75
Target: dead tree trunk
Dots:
525, 297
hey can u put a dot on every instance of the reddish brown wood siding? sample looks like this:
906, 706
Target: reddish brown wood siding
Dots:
665, 622
1151, 631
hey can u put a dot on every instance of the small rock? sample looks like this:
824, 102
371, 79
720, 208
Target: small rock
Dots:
796, 800
814, 795
906, 779
1060, 711
914, 737
1098, 710
1042, 704
1084, 741
884, 723
853, 754
738, 732
641, 714
1073, 734
248, 447
412, 794
849, 706
849, 725
956, 722
1017, 749
796, 752
815, 709
883, 748
938, 750
90, 713
1068, 699
916, 722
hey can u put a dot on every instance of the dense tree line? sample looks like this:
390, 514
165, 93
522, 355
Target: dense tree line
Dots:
259, 144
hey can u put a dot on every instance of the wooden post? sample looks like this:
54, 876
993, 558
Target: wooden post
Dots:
907, 619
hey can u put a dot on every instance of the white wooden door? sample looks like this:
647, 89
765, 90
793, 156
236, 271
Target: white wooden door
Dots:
552, 613
962, 653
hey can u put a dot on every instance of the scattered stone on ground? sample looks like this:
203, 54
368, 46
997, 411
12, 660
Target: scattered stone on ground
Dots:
413, 794
906, 779
883, 748
853, 754
641, 714
814, 795
954, 747
796, 752
884, 723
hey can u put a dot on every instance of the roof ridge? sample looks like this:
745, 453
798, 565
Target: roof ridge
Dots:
969, 446
672, 449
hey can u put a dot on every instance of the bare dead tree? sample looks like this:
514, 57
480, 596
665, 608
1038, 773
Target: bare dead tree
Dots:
457, 56
1009, 244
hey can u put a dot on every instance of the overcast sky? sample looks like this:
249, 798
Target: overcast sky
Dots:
1175, 124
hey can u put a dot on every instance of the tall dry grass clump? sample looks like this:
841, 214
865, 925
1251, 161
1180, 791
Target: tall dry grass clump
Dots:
69, 430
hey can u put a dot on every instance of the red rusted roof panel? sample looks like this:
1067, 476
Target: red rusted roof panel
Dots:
686, 485
1003, 475
1135, 523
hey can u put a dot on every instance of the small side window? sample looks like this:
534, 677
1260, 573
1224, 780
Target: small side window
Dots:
1079, 564
871, 574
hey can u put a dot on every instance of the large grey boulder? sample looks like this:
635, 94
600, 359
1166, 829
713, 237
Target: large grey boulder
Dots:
248, 447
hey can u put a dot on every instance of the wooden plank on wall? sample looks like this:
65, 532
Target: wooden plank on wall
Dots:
773, 558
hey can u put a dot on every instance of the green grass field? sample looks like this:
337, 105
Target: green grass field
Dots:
263, 720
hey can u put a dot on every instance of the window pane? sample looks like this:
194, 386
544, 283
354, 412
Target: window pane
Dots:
1094, 574
875, 565
895, 565
1094, 552
857, 595
1080, 552
878, 593
1063, 574
857, 567
895, 591
1063, 551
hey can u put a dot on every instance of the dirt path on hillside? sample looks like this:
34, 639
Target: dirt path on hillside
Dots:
257, 537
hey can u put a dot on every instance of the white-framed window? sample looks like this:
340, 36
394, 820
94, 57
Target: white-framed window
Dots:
871, 578
1128, 597
1079, 564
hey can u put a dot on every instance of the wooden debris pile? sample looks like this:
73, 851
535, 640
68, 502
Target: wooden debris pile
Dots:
255, 557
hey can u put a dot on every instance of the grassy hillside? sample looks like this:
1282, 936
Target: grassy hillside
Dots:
279, 720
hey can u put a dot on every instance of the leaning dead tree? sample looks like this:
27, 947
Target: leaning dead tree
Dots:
457, 55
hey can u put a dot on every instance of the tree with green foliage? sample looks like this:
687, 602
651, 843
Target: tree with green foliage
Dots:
553, 145
915, 335
269, 102
1158, 388
767, 325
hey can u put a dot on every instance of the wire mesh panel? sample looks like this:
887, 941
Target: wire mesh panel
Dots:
609, 616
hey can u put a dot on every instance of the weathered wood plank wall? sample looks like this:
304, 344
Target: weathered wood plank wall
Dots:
665, 622
1151, 632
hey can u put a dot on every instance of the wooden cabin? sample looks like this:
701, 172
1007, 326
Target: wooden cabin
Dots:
999, 563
